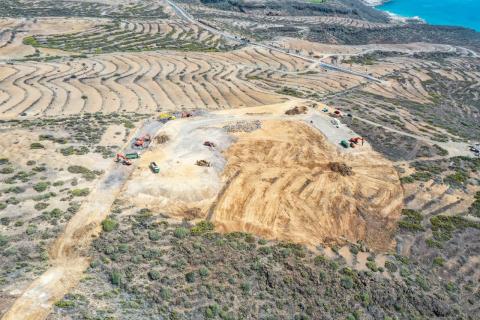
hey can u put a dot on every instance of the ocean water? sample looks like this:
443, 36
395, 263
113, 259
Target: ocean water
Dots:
465, 13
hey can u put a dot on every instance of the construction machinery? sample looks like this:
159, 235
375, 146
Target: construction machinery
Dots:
165, 117
356, 140
154, 167
133, 155
344, 144
142, 142
123, 159
209, 144
186, 114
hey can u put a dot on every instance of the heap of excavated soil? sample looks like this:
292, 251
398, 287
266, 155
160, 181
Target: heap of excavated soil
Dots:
280, 184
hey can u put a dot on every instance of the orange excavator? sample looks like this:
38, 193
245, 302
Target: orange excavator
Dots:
121, 158
355, 141
142, 142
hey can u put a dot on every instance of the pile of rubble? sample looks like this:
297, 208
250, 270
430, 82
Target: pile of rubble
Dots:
243, 126
203, 163
163, 138
296, 110
341, 168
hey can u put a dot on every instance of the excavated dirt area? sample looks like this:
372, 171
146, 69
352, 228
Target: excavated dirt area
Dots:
284, 180
281, 187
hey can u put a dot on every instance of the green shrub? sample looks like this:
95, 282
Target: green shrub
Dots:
411, 221
2, 205
37, 145
30, 41
15, 189
154, 235
154, 275
80, 192
65, 304
41, 186
347, 282
31, 229
3, 240
109, 225
3, 161
372, 266
202, 227
86, 173
116, 278
181, 232
438, 261
246, 287
390, 266
203, 272
7, 170
190, 277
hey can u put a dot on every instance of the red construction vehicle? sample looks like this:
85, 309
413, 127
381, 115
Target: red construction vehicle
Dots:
356, 140
122, 159
142, 142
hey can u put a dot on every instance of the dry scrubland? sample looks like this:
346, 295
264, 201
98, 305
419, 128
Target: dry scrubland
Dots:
278, 221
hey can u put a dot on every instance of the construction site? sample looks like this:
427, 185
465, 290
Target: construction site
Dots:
200, 159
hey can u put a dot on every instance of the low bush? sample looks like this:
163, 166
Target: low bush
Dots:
80, 192
37, 145
41, 186
411, 221
109, 225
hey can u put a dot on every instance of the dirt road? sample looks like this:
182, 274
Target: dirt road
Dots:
68, 254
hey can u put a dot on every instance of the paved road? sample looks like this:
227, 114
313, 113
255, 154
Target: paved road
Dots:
182, 13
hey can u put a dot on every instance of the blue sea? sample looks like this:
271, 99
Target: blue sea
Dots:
465, 13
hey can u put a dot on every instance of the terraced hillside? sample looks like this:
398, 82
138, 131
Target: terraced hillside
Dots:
111, 9
135, 36
148, 81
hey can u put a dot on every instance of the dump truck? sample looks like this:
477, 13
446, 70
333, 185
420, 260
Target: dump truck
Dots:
344, 143
133, 155
154, 167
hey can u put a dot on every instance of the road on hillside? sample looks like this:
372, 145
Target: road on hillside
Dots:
182, 13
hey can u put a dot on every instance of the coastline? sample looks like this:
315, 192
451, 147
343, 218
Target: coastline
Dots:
374, 3
393, 16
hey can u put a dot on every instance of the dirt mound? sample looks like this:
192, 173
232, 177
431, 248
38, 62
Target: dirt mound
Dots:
243, 126
161, 139
341, 168
296, 110
282, 182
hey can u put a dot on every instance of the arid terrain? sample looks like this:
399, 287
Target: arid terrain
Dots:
214, 159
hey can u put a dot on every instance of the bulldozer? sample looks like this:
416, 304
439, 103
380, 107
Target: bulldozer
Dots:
122, 159
209, 144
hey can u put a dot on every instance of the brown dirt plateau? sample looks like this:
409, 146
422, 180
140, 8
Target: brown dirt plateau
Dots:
280, 185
